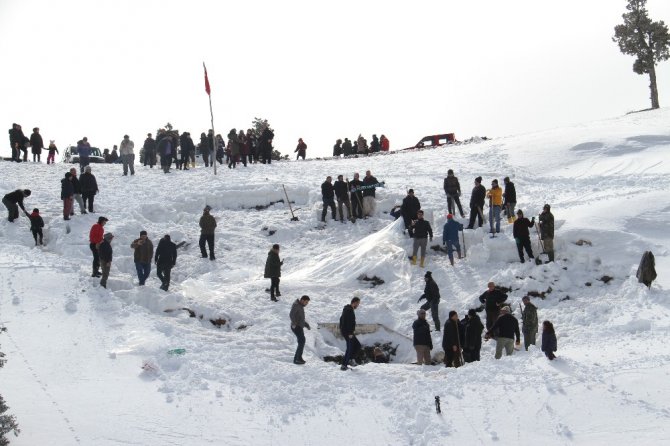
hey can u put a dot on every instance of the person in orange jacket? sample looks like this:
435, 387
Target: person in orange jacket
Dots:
495, 196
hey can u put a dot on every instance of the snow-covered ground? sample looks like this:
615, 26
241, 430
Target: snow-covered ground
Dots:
76, 351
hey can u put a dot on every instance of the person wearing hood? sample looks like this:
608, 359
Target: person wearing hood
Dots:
522, 235
36, 225
105, 251
67, 194
495, 196
272, 271
477, 200
207, 227
530, 323
298, 325
431, 293
301, 148
450, 233
453, 190
166, 259
89, 187
423, 343
385, 143
53, 150
13, 201
143, 253
36, 144
472, 343
505, 330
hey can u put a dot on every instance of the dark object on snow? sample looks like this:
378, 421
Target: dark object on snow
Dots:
374, 279
540, 294
588, 284
261, 207
379, 353
606, 279
564, 298
646, 272
437, 405
582, 242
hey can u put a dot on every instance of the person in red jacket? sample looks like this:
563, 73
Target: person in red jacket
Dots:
385, 143
95, 238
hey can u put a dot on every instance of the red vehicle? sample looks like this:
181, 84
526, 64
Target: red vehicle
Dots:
434, 141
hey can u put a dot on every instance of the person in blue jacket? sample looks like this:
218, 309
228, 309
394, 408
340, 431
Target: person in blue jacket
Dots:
450, 237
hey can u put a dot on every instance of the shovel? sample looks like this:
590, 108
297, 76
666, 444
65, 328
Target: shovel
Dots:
293, 217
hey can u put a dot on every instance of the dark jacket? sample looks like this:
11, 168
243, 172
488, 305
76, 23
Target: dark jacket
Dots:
422, 229
341, 191
337, 149
546, 225
36, 221
492, 299
410, 206
143, 252
207, 224
431, 291
451, 336
451, 230
369, 181
354, 184
297, 315
165, 147
300, 148
66, 188
75, 184
347, 321
452, 186
506, 326
272, 265
374, 145
478, 197
529, 318
646, 271
149, 146
422, 333
15, 197
36, 143
327, 191
88, 183
520, 228
105, 251
473, 333
166, 253
510, 193
347, 148
549, 342
266, 140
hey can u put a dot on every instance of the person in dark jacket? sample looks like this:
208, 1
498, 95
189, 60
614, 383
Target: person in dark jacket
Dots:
450, 233
267, 135
375, 146
187, 148
204, 149
477, 200
328, 196
505, 330
207, 227
529, 319
166, 259
301, 148
423, 343
143, 253
77, 196
453, 190
347, 329
16, 141
298, 325
36, 225
422, 231
473, 337
234, 148
547, 231
410, 207
13, 201
549, 343
369, 204
522, 235
492, 299
36, 144
66, 194
509, 197
166, 148
356, 197
347, 147
149, 151
431, 293
89, 187
451, 341
105, 253
337, 148
342, 196
273, 266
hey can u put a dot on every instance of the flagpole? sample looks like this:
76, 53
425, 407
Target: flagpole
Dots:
211, 114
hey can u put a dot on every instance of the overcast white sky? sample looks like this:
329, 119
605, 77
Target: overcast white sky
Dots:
316, 70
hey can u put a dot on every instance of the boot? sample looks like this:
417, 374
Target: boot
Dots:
422, 260
459, 254
450, 261
413, 260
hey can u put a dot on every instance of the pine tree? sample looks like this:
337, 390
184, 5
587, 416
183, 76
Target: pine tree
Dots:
258, 125
647, 40
7, 422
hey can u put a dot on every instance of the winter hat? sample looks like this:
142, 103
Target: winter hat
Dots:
519, 212
102, 220
68, 174
478, 180
428, 274
166, 236
421, 312
494, 182
450, 172
36, 211
143, 232
108, 236
26, 192
547, 207
472, 312
450, 216
52, 141
411, 191
208, 208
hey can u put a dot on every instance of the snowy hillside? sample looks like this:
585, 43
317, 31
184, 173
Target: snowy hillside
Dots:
75, 351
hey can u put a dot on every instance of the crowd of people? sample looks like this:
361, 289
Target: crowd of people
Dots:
359, 146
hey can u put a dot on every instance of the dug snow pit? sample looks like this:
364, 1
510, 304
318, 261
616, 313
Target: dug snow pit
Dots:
379, 353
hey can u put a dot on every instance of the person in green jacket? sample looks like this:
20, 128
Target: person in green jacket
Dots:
529, 319
273, 271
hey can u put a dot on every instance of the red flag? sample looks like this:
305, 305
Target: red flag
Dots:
207, 89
